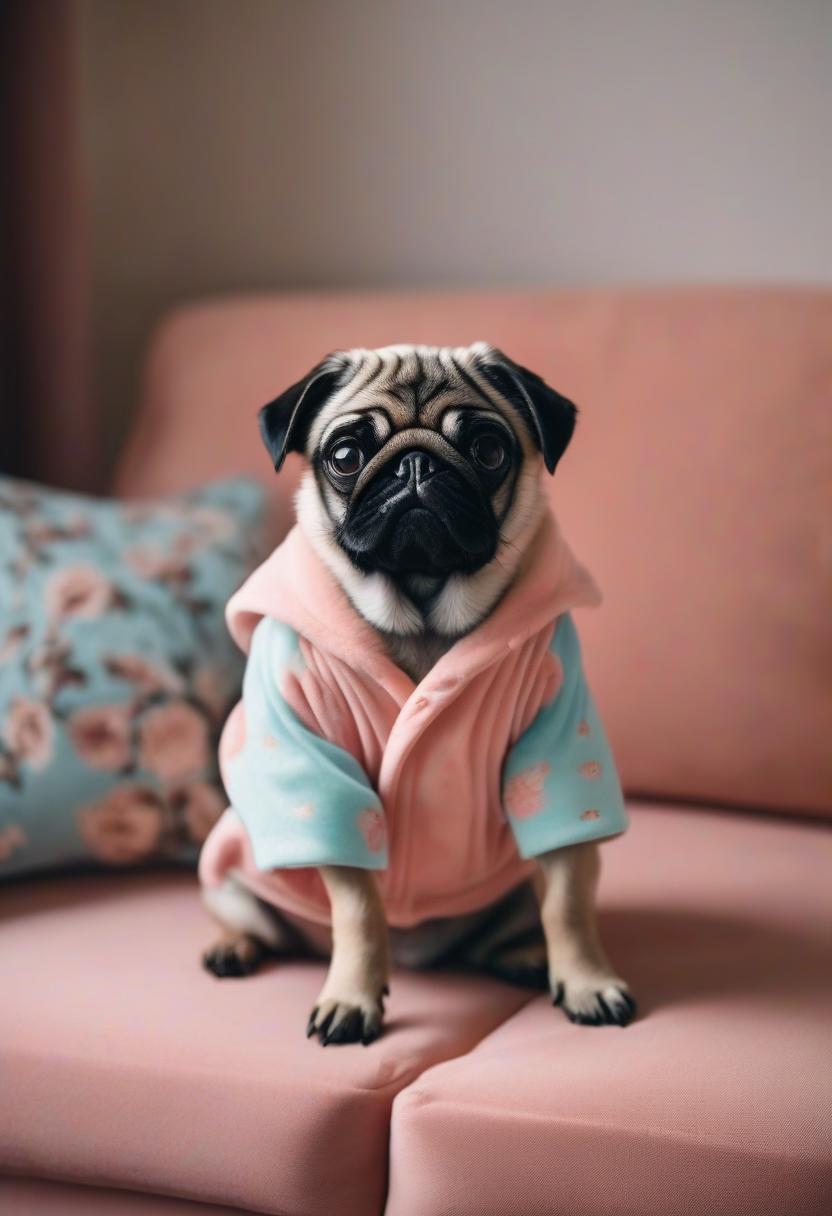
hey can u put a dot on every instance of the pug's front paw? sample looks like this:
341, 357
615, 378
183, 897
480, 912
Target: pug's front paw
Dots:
351, 1020
593, 1000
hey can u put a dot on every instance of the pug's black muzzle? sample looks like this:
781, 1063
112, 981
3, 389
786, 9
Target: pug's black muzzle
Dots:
419, 515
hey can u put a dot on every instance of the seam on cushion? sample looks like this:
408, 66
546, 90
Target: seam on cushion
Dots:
658, 1135
411, 1087
418, 1069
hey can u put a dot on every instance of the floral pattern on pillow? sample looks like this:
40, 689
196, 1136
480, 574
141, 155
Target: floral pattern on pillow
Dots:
116, 670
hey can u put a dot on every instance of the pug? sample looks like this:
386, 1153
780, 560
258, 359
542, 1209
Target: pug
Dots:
416, 768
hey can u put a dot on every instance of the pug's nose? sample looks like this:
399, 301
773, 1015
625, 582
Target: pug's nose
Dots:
416, 467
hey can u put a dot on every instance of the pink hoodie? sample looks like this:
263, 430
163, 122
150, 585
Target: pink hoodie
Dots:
434, 753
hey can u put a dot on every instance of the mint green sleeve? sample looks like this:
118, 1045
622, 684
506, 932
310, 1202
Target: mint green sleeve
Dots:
303, 800
560, 784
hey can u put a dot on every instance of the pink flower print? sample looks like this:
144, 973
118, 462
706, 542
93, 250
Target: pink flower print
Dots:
146, 677
38, 533
78, 593
233, 738
214, 524
583, 728
12, 642
28, 731
305, 811
591, 814
373, 829
173, 741
523, 795
201, 805
124, 827
12, 838
591, 770
151, 562
101, 736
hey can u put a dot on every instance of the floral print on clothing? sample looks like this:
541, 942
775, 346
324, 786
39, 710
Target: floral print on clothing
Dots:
580, 798
373, 829
116, 670
523, 793
304, 800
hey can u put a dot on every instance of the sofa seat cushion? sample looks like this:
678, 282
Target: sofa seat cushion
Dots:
717, 1099
33, 1197
124, 1064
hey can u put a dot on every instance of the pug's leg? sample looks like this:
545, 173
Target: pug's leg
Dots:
351, 1004
581, 979
250, 930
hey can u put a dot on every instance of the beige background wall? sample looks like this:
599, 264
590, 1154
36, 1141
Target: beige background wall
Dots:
266, 143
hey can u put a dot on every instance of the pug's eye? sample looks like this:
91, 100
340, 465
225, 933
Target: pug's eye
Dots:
489, 452
346, 458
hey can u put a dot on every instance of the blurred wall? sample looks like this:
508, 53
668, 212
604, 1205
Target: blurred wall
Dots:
272, 143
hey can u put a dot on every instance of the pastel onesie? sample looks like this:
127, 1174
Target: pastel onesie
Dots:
448, 788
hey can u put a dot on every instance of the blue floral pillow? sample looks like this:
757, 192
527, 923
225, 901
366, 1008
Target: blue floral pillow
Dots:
116, 670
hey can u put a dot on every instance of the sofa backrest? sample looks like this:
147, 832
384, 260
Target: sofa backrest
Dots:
698, 489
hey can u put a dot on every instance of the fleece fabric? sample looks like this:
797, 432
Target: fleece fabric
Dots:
449, 788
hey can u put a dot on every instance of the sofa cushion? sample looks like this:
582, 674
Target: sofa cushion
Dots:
698, 489
37, 1198
717, 1099
123, 1064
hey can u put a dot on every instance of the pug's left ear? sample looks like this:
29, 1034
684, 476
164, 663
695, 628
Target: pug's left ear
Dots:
549, 415
284, 422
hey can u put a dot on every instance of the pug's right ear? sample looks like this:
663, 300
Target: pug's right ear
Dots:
284, 422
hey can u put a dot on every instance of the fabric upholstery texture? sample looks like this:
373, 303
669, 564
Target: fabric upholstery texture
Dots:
123, 1063
141, 1071
699, 492
698, 489
29, 1197
717, 1099
116, 670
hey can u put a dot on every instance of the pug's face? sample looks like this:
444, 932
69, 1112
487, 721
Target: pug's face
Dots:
419, 454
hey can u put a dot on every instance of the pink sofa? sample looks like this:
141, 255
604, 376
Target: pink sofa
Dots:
699, 489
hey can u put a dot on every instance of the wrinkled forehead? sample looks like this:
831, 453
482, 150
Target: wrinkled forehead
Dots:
409, 386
